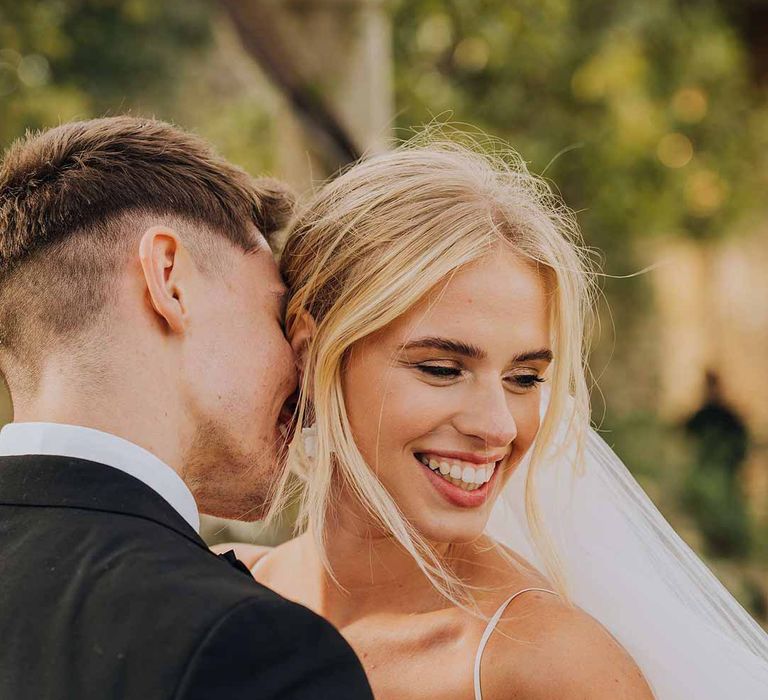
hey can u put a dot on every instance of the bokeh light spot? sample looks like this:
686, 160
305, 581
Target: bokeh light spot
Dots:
705, 193
10, 56
435, 33
472, 54
690, 104
34, 70
675, 150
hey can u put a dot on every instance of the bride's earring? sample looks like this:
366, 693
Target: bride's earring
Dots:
309, 438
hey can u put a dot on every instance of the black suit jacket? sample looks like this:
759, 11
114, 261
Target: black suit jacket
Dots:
106, 592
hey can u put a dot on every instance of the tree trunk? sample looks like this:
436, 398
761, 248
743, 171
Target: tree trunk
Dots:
331, 61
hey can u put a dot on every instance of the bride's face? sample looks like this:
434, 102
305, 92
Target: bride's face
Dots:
444, 402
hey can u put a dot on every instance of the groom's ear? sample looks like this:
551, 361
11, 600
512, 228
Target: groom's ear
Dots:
166, 264
302, 331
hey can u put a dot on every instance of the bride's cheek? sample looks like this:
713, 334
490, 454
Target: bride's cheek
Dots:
526, 417
423, 408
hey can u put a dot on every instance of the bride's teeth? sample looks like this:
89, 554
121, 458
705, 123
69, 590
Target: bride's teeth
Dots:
460, 473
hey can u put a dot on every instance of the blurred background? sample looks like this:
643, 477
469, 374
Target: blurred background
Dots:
651, 120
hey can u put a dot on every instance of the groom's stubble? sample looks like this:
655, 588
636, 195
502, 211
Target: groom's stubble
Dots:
226, 481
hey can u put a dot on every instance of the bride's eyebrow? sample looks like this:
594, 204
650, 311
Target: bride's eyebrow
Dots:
459, 347
544, 354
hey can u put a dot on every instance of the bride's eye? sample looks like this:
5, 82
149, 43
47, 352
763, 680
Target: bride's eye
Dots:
439, 371
525, 381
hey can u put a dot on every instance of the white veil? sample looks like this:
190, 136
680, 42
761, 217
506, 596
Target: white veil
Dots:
625, 565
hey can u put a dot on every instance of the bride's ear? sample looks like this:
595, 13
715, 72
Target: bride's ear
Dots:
302, 331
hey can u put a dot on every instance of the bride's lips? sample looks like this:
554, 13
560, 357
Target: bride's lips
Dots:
455, 495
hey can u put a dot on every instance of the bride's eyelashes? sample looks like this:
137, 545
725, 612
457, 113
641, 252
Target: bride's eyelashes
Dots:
445, 373
439, 371
529, 381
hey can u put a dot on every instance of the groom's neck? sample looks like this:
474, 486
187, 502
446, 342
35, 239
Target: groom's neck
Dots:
105, 399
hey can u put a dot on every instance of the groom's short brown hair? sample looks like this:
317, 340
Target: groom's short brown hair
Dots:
72, 199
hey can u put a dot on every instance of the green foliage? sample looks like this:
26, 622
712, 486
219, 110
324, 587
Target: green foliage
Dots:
87, 58
720, 512
65, 60
637, 98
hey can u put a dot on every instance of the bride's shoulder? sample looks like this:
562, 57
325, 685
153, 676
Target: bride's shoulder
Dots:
249, 554
544, 647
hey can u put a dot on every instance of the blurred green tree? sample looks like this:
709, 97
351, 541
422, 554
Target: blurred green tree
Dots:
628, 103
66, 60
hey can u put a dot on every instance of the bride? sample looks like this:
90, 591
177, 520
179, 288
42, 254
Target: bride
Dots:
459, 521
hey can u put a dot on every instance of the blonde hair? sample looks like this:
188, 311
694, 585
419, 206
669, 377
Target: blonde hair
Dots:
367, 248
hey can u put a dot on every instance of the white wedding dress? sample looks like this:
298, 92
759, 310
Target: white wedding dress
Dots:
626, 566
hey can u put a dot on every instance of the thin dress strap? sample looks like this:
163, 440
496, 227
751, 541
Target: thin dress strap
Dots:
489, 631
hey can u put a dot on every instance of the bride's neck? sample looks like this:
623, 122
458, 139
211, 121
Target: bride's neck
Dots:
373, 572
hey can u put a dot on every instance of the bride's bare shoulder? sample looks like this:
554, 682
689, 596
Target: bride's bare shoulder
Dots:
249, 554
544, 648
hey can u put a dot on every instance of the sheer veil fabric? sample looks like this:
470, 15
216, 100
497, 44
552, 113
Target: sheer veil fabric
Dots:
626, 566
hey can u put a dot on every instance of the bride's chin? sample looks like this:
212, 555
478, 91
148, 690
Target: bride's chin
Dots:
442, 529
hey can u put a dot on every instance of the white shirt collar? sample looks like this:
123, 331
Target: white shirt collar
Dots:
105, 448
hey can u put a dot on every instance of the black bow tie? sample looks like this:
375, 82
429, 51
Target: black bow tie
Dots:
234, 561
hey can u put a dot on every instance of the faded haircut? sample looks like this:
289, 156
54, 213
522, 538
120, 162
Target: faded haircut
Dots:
73, 202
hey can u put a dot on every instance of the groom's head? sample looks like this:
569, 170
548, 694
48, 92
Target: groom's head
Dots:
136, 281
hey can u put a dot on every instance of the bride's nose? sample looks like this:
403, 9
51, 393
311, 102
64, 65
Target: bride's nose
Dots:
487, 416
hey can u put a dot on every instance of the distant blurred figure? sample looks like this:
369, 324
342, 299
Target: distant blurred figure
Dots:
713, 494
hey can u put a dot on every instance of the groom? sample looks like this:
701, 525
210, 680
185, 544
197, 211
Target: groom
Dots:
140, 338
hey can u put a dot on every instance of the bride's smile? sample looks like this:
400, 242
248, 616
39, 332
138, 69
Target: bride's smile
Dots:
444, 402
465, 471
